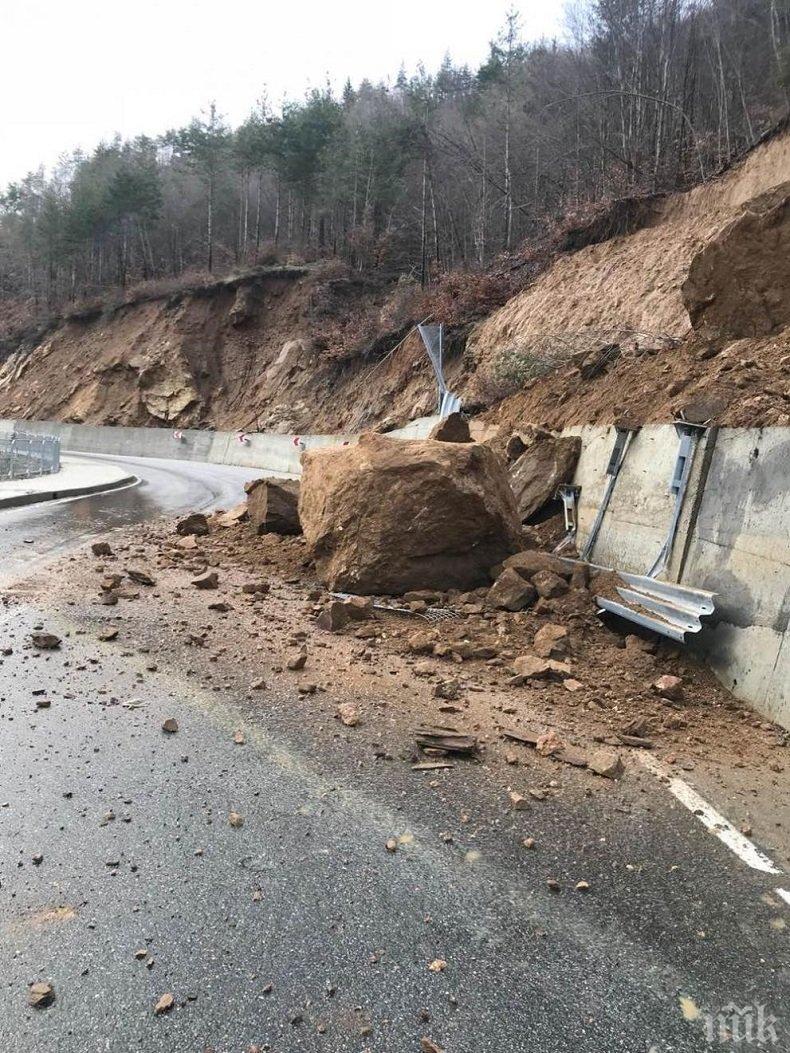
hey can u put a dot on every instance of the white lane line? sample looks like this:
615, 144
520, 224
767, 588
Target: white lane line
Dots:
710, 818
784, 894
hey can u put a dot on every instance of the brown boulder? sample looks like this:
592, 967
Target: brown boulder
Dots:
545, 461
272, 505
387, 516
454, 428
511, 592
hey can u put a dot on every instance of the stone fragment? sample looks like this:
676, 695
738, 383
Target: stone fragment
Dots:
195, 523
670, 687
453, 428
207, 581
606, 764
511, 592
40, 995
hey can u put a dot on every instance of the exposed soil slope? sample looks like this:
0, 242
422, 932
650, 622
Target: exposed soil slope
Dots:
692, 307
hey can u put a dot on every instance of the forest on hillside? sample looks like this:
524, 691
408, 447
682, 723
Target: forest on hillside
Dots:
419, 175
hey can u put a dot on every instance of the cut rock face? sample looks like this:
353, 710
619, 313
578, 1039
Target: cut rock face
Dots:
272, 506
544, 461
389, 516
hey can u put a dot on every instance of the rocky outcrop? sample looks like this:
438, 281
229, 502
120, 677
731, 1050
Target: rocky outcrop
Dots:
272, 506
387, 516
541, 462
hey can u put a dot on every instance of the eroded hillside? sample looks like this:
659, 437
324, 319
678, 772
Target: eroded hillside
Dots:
692, 308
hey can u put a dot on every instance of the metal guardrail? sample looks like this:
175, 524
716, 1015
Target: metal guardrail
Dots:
23, 456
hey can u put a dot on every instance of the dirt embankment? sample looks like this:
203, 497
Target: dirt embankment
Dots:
692, 307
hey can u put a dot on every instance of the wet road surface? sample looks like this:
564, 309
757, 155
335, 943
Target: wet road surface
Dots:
299, 930
30, 535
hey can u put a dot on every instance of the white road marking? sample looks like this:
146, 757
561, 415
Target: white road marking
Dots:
784, 894
710, 818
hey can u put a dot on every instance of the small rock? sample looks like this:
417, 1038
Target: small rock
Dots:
207, 581
549, 585
670, 687
606, 764
438, 965
165, 1004
108, 634
40, 995
170, 725
101, 548
236, 819
511, 592
518, 802
195, 523
45, 641
348, 714
238, 738
140, 576
297, 661
551, 641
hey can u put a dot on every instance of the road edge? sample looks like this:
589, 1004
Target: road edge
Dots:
21, 500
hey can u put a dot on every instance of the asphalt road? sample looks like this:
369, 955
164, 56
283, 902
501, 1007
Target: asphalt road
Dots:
299, 930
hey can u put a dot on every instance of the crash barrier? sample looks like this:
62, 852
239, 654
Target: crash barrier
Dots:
278, 455
709, 510
24, 455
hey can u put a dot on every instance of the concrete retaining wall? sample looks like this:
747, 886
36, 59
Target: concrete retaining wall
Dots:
270, 453
733, 538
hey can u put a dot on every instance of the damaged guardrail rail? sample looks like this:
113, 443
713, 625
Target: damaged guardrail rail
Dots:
23, 456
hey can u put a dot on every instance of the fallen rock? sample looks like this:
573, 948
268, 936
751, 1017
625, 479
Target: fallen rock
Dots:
348, 714
40, 995
670, 687
272, 506
140, 576
530, 667
298, 660
454, 428
511, 592
235, 819
333, 617
170, 725
165, 1004
207, 581
518, 802
195, 523
551, 641
101, 548
389, 516
544, 462
234, 515
549, 585
532, 561
606, 764
45, 641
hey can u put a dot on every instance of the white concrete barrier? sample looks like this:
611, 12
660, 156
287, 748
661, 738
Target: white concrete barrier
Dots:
733, 538
265, 451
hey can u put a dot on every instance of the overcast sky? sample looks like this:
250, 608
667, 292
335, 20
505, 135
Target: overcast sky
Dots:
74, 72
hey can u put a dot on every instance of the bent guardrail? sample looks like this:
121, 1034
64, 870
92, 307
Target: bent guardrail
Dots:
23, 455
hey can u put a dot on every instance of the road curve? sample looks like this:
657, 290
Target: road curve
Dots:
39, 532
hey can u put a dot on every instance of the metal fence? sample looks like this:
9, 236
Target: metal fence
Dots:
22, 455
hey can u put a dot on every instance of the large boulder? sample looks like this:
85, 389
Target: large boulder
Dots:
272, 505
388, 516
541, 462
